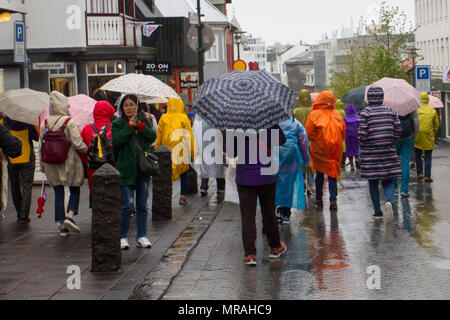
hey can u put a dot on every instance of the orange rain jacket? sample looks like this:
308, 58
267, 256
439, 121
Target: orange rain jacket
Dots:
326, 132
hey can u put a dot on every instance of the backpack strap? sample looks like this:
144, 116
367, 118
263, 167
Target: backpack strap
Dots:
63, 127
95, 128
105, 130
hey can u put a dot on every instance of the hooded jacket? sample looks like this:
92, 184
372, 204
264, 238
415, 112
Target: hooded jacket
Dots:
26, 133
379, 128
124, 146
326, 132
71, 172
169, 125
103, 113
304, 108
428, 125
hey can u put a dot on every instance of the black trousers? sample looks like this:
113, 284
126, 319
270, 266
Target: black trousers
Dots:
248, 196
220, 184
21, 177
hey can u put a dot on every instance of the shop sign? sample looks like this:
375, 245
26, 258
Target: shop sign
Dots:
189, 79
48, 65
157, 68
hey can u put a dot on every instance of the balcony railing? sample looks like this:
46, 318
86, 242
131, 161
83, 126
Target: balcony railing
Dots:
112, 30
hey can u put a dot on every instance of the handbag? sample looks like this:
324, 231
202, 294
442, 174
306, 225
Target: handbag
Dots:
147, 162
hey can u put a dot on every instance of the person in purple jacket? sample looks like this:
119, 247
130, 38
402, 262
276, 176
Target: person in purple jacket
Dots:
351, 136
256, 180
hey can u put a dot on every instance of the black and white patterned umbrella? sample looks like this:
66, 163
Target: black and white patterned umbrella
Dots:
244, 100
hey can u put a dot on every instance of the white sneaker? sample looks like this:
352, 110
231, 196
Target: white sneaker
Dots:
143, 242
124, 245
389, 212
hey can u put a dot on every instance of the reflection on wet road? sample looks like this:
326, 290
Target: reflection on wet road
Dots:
329, 253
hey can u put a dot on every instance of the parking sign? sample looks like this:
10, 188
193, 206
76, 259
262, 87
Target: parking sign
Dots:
423, 78
19, 42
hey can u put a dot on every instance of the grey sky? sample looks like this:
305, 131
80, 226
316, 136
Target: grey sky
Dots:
294, 20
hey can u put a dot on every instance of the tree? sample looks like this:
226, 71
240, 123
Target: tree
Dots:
381, 55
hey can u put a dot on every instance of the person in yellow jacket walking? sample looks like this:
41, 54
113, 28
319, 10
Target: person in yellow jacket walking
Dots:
428, 127
175, 131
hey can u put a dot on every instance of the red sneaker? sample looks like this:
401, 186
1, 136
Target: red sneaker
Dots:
250, 260
277, 252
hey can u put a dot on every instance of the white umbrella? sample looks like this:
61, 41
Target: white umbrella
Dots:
154, 100
140, 85
25, 105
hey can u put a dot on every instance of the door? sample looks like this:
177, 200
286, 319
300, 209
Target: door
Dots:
65, 85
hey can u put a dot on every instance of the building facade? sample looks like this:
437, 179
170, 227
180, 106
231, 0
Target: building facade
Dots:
78, 45
433, 42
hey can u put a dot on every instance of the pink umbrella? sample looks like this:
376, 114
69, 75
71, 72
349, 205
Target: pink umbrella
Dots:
81, 109
435, 102
398, 95
314, 95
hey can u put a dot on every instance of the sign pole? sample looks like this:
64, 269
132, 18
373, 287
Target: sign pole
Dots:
25, 68
200, 45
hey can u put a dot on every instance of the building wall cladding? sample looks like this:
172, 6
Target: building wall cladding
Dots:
170, 41
320, 70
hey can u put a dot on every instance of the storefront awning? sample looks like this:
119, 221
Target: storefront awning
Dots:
12, 7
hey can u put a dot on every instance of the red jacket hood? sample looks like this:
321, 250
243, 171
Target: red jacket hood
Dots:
103, 112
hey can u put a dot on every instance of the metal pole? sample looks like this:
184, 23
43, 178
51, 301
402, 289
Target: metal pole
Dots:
26, 81
200, 45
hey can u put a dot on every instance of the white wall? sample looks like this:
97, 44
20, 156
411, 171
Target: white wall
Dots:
433, 34
50, 24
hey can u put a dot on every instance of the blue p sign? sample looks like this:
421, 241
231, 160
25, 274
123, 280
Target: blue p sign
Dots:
423, 73
19, 32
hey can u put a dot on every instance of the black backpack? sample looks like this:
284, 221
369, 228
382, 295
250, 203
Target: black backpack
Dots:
407, 126
95, 159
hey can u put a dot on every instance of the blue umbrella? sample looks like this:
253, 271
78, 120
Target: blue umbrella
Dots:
355, 96
244, 100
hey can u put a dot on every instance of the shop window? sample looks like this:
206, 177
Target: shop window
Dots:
100, 72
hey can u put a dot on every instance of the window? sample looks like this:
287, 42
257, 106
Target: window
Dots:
213, 53
100, 72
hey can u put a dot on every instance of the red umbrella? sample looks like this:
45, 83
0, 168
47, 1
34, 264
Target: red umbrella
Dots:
41, 201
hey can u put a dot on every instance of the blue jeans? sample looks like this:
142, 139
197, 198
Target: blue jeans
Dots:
142, 183
404, 149
74, 201
309, 178
388, 187
184, 184
419, 164
332, 186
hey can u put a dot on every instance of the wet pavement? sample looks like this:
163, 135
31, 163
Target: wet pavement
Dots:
198, 255
334, 255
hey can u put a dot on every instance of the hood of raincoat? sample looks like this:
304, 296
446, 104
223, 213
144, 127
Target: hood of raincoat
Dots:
59, 104
325, 100
424, 98
175, 105
340, 106
375, 96
103, 112
304, 99
350, 112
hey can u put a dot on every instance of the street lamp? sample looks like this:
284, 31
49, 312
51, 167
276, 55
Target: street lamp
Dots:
238, 38
200, 45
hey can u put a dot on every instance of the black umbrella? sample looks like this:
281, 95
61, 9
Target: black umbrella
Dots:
355, 96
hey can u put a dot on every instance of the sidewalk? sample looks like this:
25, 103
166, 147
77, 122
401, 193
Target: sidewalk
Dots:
34, 258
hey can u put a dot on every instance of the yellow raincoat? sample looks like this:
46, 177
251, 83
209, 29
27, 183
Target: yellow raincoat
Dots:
175, 131
428, 125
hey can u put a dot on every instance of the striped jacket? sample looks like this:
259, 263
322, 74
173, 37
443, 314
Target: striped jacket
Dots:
379, 128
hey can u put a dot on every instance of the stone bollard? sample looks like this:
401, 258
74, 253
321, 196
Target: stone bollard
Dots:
162, 186
106, 199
